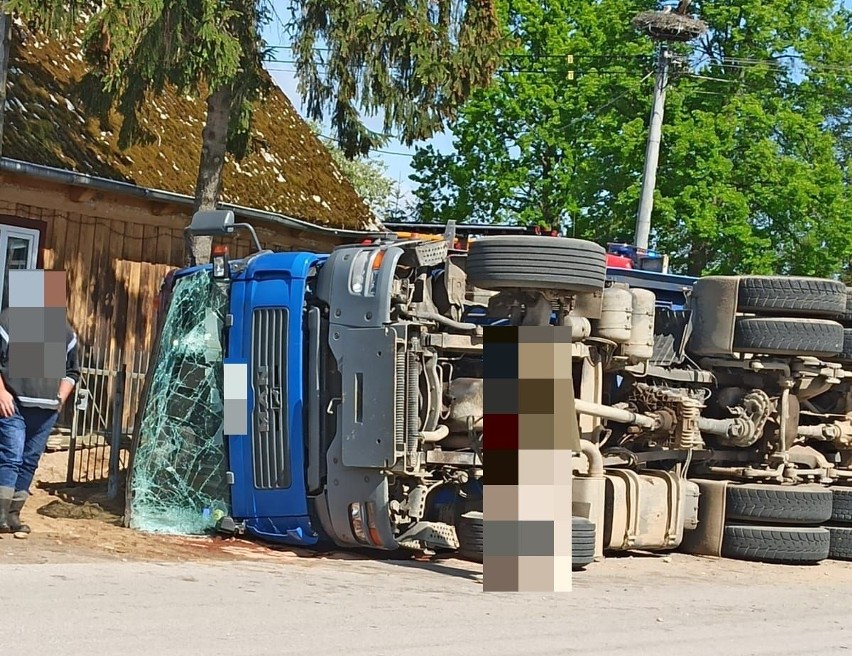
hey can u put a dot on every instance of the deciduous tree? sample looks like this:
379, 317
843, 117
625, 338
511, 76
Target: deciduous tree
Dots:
754, 163
367, 174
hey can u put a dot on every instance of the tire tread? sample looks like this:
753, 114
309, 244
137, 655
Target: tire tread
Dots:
776, 544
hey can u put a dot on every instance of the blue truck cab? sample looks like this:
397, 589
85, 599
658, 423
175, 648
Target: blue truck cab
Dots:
316, 388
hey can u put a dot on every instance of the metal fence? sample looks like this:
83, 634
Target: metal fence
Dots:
102, 415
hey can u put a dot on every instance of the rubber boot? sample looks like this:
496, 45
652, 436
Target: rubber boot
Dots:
18, 500
6, 494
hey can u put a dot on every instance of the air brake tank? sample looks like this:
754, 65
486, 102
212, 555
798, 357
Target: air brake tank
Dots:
615, 323
640, 347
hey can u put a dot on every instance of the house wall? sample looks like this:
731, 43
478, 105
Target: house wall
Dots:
116, 250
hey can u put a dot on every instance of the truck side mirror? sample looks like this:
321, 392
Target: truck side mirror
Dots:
218, 223
212, 223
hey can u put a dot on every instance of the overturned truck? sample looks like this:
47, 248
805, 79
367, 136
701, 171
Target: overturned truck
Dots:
714, 412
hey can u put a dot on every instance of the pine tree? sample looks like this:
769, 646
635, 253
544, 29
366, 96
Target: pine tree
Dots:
415, 61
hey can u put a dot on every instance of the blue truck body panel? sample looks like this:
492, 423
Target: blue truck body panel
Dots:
669, 288
276, 280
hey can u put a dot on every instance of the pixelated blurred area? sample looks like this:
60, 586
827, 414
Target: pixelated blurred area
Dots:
236, 399
37, 288
530, 432
37, 323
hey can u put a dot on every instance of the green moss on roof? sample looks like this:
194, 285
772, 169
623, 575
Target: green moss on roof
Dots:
289, 172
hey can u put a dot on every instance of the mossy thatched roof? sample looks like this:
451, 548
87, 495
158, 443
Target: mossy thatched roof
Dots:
289, 171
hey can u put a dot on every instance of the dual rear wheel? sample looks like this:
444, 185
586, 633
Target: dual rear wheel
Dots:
777, 524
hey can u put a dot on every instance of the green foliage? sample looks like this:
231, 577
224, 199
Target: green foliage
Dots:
138, 47
753, 173
414, 60
524, 143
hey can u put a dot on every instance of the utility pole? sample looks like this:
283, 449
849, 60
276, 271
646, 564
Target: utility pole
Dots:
652, 150
663, 27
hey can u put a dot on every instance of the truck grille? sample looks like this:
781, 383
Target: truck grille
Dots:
270, 437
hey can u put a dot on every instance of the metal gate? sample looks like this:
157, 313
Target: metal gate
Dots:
102, 415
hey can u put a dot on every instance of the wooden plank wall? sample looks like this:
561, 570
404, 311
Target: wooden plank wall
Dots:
115, 268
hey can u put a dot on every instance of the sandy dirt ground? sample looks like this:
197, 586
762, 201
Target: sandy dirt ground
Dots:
376, 608
82, 584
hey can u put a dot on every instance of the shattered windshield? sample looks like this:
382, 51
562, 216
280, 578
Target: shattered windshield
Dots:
178, 483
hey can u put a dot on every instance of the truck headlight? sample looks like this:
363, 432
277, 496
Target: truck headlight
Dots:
364, 271
356, 521
358, 272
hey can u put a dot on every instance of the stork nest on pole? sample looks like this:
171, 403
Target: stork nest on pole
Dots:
668, 26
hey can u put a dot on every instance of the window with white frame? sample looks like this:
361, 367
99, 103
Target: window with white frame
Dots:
18, 250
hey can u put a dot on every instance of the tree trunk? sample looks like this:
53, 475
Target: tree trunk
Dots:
210, 169
699, 255
5, 46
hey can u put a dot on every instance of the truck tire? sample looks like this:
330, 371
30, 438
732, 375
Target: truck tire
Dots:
534, 262
771, 336
841, 542
773, 503
582, 542
792, 296
471, 538
841, 505
776, 544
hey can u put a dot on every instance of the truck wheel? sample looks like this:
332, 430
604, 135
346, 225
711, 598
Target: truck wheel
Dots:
470, 533
792, 296
776, 544
471, 539
772, 503
841, 505
771, 336
841, 542
534, 262
582, 542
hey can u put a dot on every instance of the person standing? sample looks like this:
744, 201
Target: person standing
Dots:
29, 407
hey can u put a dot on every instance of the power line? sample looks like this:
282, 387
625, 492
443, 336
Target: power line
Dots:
732, 62
535, 71
507, 55
587, 116
609, 103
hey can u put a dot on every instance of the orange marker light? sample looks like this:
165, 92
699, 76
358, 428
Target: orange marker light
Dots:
377, 261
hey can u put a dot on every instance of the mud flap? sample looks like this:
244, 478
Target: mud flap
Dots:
706, 538
714, 311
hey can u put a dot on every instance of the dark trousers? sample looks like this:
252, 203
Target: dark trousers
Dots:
23, 439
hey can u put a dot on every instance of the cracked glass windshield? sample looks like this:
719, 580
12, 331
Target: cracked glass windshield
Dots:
178, 484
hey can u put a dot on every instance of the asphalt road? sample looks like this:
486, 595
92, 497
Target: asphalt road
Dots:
679, 605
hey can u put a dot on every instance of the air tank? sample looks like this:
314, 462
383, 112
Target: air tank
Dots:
616, 322
640, 347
